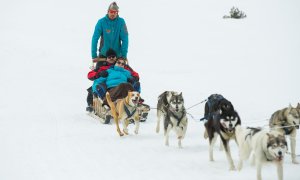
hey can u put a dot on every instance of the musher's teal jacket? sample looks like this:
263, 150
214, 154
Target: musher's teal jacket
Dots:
113, 35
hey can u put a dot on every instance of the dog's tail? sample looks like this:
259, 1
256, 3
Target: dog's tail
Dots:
111, 104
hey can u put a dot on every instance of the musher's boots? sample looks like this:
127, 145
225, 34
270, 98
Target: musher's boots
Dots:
90, 108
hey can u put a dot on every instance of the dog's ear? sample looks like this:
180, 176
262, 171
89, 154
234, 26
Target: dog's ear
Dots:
270, 135
230, 104
127, 99
289, 108
169, 95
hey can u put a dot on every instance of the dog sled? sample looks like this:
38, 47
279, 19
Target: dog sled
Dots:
103, 113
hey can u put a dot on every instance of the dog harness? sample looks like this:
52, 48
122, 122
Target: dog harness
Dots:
178, 118
252, 132
128, 112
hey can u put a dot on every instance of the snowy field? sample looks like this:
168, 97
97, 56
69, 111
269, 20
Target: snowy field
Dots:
185, 46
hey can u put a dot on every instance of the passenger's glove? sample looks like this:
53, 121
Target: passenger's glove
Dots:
133, 79
130, 80
102, 74
136, 78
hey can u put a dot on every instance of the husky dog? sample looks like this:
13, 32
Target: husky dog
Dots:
287, 121
170, 107
223, 124
266, 147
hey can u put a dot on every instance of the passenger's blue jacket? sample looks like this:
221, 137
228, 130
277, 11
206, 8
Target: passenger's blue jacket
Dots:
116, 75
113, 35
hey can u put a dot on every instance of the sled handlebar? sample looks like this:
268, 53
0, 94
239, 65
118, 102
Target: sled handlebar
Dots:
104, 59
99, 59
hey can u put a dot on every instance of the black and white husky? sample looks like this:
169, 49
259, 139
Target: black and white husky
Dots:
222, 124
265, 146
221, 120
170, 108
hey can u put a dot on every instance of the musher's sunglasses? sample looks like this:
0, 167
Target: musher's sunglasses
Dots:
111, 57
113, 12
118, 62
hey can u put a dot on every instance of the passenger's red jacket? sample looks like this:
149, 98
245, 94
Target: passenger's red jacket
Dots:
94, 74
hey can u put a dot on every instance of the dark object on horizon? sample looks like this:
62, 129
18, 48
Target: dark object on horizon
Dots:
235, 13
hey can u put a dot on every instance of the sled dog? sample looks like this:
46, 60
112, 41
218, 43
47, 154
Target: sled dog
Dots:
124, 110
170, 108
287, 121
214, 103
222, 124
265, 146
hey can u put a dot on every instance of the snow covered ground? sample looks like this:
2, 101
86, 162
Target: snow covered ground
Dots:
184, 46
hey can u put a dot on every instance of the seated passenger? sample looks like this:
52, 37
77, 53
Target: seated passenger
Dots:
102, 66
116, 79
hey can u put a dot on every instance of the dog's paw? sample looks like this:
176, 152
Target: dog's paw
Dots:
294, 161
125, 131
240, 166
157, 130
232, 168
205, 135
120, 133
